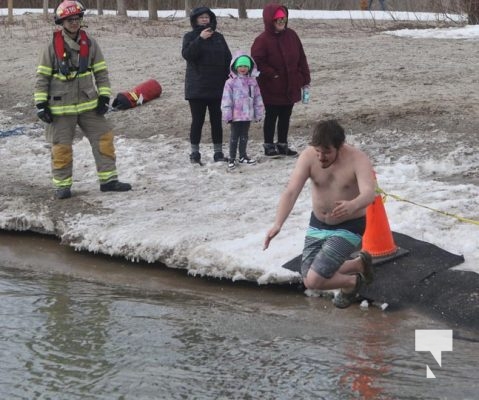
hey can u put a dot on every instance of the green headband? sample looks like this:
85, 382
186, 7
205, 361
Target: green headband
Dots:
242, 61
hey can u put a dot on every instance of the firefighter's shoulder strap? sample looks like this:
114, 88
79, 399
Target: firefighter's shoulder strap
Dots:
59, 46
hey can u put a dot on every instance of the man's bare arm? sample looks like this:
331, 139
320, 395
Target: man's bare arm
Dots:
288, 198
366, 182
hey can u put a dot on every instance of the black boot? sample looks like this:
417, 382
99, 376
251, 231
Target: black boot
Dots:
195, 157
63, 193
270, 150
219, 156
115, 186
285, 150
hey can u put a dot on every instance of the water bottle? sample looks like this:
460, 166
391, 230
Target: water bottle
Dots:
305, 99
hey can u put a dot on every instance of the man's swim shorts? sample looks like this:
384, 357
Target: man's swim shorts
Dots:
327, 247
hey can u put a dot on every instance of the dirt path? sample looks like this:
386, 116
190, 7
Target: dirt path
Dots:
386, 90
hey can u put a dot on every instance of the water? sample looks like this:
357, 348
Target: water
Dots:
77, 326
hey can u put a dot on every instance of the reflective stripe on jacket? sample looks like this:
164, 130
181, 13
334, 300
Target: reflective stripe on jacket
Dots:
75, 93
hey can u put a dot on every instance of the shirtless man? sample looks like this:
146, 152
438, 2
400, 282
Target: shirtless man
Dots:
342, 186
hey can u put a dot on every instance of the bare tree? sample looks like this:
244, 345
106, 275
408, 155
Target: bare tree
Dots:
45, 8
472, 10
10, 11
187, 7
152, 10
121, 7
242, 9
99, 7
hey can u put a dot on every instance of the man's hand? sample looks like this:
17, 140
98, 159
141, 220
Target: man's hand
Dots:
343, 209
103, 105
270, 235
44, 112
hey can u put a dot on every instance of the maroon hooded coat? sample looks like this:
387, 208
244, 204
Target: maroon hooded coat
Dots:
281, 61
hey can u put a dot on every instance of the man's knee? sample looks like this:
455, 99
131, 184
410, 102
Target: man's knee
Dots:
313, 280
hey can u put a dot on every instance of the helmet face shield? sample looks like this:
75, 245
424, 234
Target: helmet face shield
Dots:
67, 9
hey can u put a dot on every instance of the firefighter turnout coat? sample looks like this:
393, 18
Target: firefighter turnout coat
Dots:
71, 87
76, 92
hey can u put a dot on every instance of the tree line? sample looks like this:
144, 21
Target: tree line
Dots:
469, 7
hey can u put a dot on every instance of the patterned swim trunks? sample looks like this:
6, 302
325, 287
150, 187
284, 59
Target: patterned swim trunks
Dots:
327, 247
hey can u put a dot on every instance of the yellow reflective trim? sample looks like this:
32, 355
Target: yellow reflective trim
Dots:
104, 90
83, 74
44, 70
63, 183
134, 96
40, 96
75, 108
105, 176
71, 76
100, 66
89, 105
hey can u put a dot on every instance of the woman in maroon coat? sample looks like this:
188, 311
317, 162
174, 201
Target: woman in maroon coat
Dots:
284, 71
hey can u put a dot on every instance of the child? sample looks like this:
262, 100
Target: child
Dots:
241, 104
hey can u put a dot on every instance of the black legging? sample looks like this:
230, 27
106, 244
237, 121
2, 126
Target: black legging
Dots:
281, 114
198, 112
239, 133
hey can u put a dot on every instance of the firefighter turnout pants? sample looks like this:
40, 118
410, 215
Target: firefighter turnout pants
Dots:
98, 131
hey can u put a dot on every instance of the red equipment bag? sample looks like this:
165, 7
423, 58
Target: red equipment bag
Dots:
142, 93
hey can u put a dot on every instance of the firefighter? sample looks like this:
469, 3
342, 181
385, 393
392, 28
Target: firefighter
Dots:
72, 88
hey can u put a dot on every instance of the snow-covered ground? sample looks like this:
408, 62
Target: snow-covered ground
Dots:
212, 221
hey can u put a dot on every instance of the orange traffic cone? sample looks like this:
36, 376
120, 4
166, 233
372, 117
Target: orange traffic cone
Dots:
378, 239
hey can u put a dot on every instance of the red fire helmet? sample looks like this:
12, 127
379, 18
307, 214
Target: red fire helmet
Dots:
68, 8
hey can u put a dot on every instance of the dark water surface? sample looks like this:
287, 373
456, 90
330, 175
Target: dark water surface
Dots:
79, 326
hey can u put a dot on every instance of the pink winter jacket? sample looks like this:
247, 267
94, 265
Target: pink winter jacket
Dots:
242, 99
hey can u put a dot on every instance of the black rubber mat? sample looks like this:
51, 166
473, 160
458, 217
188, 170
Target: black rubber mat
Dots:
420, 277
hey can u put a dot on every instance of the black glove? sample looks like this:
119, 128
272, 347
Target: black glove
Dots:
44, 112
103, 105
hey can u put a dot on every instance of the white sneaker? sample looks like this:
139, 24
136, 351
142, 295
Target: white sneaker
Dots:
231, 163
247, 160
